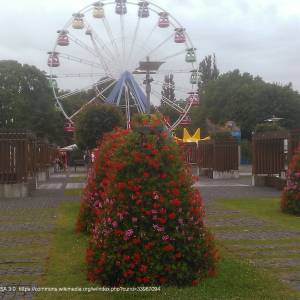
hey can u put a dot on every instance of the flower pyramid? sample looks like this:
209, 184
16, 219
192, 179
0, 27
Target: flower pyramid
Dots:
145, 218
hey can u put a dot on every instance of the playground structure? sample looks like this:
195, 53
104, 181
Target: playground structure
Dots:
123, 50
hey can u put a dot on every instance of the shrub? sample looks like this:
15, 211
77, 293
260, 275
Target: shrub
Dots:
290, 199
149, 227
94, 121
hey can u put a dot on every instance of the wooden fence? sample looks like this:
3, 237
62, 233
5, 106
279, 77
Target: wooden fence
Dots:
217, 155
272, 151
22, 156
268, 152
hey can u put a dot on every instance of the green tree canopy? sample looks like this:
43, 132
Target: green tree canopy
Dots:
168, 89
249, 100
26, 101
94, 121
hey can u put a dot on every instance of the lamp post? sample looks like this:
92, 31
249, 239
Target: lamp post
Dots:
148, 67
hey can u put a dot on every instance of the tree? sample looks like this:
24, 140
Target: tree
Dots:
208, 71
168, 89
249, 100
26, 101
94, 121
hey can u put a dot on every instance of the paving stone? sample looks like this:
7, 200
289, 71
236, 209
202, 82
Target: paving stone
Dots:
76, 175
246, 221
22, 241
50, 186
21, 270
26, 227
291, 278
276, 262
256, 235
221, 212
58, 176
16, 260
279, 246
270, 252
75, 185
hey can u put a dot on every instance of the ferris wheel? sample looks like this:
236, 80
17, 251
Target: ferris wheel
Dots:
124, 51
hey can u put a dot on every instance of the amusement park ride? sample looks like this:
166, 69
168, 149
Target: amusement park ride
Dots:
127, 47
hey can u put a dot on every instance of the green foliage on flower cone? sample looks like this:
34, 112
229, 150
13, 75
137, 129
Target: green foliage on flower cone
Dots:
149, 227
290, 199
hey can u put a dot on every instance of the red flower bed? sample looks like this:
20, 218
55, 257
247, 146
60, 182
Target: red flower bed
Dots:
290, 199
147, 228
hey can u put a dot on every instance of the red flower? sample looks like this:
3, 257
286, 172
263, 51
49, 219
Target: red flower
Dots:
162, 280
118, 232
98, 271
89, 255
137, 157
195, 282
156, 205
146, 174
155, 151
175, 202
212, 272
148, 246
128, 273
91, 276
163, 176
162, 221
146, 280
136, 241
126, 258
121, 185
168, 248
175, 192
172, 216
137, 256
143, 269
163, 211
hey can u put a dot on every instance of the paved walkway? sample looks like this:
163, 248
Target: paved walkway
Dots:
26, 232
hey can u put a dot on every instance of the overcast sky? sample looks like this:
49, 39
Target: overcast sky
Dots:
261, 37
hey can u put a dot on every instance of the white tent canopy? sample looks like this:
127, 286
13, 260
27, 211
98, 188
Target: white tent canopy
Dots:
70, 148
